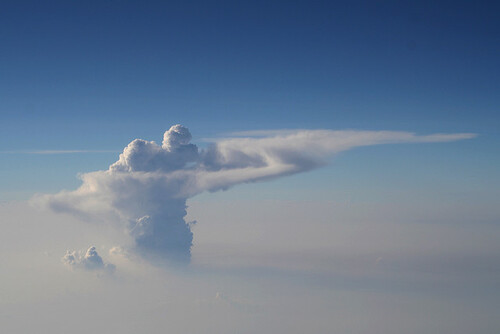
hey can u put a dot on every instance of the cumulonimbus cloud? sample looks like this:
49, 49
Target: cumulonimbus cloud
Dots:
147, 188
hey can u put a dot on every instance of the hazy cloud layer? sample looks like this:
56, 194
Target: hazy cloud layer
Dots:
147, 188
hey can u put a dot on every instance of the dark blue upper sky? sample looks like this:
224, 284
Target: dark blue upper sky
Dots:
250, 64
95, 74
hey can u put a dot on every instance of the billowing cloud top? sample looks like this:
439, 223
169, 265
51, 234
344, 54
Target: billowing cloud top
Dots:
147, 188
147, 156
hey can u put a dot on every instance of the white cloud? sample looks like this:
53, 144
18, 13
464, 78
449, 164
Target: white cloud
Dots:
90, 260
146, 190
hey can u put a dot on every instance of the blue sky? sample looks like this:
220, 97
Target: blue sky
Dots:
94, 75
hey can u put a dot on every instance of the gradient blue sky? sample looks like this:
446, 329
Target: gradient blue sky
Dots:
385, 239
93, 75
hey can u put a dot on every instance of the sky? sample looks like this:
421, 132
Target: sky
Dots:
324, 166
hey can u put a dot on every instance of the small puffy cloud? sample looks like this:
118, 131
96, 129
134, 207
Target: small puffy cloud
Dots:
146, 190
90, 260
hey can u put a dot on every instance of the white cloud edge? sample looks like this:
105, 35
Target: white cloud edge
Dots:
285, 132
